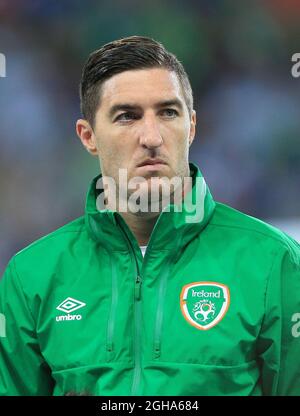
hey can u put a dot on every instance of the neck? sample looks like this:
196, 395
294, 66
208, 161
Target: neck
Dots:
141, 225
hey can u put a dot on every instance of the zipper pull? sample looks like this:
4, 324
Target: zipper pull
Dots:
137, 289
156, 349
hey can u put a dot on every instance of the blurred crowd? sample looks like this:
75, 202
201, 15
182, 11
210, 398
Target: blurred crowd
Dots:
238, 57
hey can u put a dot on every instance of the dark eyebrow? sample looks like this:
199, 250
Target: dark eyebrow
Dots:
131, 107
170, 103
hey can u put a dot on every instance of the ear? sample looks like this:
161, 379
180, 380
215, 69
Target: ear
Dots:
192, 127
87, 136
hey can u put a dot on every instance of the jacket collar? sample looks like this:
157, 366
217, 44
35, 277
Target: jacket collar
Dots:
172, 231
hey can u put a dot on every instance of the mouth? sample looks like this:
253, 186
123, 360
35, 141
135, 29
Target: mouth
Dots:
152, 164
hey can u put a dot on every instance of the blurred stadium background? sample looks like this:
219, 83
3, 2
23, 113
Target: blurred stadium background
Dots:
238, 56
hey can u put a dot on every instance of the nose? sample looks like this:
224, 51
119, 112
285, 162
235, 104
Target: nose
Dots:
150, 136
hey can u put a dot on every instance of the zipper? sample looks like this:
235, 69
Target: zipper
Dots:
137, 325
113, 307
137, 308
138, 288
137, 329
161, 299
160, 309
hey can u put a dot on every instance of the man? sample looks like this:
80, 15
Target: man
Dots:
189, 298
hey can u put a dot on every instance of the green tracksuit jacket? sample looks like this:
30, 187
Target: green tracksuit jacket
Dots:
212, 309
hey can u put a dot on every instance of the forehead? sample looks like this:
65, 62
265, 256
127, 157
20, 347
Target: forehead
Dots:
144, 86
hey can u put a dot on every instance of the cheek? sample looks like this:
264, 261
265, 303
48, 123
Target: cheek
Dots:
114, 156
181, 130
108, 147
178, 139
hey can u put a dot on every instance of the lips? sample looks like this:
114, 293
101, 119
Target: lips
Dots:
151, 162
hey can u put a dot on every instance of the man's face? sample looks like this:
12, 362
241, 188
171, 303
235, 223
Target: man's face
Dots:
143, 125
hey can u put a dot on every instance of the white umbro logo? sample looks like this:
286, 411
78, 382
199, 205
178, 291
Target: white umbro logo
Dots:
70, 305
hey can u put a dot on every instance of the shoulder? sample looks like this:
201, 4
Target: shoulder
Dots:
233, 222
56, 240
42, 257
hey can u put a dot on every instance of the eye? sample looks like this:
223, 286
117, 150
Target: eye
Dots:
127, 116
169, 112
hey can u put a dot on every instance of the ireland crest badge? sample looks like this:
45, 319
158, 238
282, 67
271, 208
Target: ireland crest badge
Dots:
204, 304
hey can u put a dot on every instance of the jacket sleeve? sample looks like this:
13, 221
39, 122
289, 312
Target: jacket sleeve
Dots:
23, 371
279, 341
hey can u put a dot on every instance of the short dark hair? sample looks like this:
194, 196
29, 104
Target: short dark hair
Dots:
134, 52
